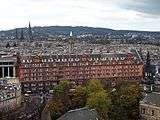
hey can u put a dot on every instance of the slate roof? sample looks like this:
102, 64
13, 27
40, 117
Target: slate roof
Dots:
80, 114
152, 99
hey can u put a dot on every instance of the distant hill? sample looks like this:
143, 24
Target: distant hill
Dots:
56, 30
65, 30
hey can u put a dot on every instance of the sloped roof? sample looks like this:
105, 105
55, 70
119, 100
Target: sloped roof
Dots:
152, 99
80, 114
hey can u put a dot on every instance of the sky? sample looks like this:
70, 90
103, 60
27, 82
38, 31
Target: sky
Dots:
115, 14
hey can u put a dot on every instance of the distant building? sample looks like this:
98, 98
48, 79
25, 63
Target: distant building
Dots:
150, 107
38, 72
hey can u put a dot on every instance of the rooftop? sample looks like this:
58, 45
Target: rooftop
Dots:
80, 114
152, 99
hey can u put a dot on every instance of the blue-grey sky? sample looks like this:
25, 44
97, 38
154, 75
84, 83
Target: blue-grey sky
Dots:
115, 14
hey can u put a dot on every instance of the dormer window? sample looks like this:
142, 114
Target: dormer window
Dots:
51, 60
117, 58
23, 61
90, 59
122, 58
77, 59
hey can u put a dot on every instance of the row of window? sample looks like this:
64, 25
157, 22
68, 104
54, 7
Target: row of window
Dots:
98, 68
150, 112
39, 77
79, 71
38, 84
86, 64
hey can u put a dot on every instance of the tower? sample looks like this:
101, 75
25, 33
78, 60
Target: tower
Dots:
30, 32
71, 34
71, 43
16, 34
148, 59
149, 69
149, 75
22, 35
148, 66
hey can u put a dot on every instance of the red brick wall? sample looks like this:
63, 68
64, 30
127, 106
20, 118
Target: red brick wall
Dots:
81, 67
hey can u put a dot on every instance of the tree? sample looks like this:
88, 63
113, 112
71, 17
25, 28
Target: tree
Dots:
60, 102
98, 98
94, 86
78, 97
125, 102
55, 108
100, 101
61, 89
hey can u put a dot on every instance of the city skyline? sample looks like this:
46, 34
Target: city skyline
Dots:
114, 14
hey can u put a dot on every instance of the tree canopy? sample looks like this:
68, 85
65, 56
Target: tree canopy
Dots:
125, 102
98, 98
120, 104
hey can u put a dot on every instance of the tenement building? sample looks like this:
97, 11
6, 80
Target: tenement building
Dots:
38, 72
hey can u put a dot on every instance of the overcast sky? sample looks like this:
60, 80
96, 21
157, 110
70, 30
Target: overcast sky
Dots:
115, 14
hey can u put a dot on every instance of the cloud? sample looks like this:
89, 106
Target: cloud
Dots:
116, 14
151, 7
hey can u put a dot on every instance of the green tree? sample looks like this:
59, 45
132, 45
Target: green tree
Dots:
98, 98
78, 97
62, 88
60, 102
55, 108
125, 102
94, 86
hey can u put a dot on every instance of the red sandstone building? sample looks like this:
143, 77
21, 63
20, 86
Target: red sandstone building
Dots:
39, 72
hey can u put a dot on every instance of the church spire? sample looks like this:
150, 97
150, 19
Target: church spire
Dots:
148, 60
149, 69
22, 35
30, 32
16, 34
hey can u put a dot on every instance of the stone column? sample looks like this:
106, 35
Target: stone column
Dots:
157, 67
2, 72
14, 72
8, 72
